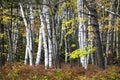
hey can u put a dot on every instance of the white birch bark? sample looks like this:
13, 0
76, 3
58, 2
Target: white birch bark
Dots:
82, 33
23, 16
39, 43
31, 18
30, 48
49, 44
45, 24
44, 41
28, 52
39, 48
25, 23
31, 32
42, 17
49, 38
45, 46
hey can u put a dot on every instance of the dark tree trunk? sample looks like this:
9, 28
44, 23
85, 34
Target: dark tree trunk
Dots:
2, 57
94, 22
10, 57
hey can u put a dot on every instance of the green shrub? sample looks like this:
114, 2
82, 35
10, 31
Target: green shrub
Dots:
12, 75
44, 78
58, 74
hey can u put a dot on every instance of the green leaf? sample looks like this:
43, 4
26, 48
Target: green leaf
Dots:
36, 40
73, 45
1, 35
81, 52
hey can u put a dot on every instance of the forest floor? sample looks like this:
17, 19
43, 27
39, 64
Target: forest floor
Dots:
26, 72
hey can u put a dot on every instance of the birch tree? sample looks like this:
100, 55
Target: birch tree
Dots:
39, 48
49, 37
39, 43
55, 53
43, 27
82, 33
28, 52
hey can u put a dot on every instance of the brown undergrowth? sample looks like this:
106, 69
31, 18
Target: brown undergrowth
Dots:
26, 72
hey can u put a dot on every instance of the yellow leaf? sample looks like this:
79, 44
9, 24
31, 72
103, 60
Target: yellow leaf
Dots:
73, 45
90, 28
69, 32
80, 19
36, 40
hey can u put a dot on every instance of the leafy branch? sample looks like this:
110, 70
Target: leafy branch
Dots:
81, 52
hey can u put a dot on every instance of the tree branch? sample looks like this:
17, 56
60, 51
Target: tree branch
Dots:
116, 14
86, 13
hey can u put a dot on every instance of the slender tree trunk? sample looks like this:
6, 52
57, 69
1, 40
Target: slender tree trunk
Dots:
15, 36
54, 42
117, 32
64, 16
109, 33
28, 52
54, 34
31, 32
2, 57
49, 37
43, 27
110, 47
39, 48
45, 47
10, 50
39, 45
90, 38
10, 58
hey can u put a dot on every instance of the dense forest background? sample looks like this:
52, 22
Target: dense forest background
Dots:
54, 33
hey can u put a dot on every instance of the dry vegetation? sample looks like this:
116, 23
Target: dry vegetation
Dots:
26, 72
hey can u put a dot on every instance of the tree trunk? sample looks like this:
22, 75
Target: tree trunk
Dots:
43, 27
28, 52
82, 33
117, 33
39, 46
94, 22
10, 50
49, 37
2, 56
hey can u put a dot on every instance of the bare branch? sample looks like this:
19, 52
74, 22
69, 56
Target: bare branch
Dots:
116, 14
